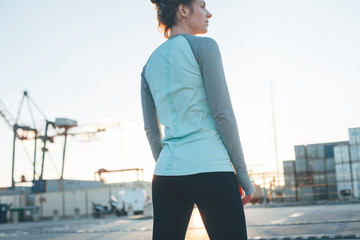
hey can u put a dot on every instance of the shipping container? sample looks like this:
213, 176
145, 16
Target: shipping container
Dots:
355, 168
331, 185
354, 135
303, 179
318, 165
300, 152
344, 189
341, 154
39, 186
329, 150
356, 187
355, 153
289, 166
329, 164
343, 172
315, 151
289, 179
331, 178
290, 194
301, 165
306, 194
332, 191
320, 193
319, 179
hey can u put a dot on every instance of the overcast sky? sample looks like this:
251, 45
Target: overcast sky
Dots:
82, 60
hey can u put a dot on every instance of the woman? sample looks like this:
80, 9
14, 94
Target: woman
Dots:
183, 87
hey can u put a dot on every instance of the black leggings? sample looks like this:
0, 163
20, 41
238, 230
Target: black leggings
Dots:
217, 197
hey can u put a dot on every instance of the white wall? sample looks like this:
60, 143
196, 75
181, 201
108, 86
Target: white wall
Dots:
66, 202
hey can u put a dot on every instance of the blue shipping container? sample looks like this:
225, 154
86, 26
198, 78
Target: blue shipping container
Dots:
329, 150
301, 165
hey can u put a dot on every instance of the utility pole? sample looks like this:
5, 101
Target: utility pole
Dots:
277, 181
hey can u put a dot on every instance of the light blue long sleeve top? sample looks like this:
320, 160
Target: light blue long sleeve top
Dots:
183, 88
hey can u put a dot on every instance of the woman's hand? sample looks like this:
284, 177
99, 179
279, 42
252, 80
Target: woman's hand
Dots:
247, 198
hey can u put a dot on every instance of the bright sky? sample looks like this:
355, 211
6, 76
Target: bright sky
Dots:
82, 60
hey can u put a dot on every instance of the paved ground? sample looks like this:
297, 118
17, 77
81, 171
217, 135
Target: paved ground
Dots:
341, 221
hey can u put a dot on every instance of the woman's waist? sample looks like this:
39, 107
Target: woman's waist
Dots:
190, 134
204, 148
186, 166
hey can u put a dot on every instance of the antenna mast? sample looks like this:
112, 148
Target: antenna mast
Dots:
277, 181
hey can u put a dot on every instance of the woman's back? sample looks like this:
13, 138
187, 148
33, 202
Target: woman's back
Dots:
174, 78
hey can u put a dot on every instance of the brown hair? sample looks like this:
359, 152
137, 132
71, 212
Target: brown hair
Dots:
166, 13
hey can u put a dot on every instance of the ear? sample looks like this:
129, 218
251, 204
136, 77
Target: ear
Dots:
183, 10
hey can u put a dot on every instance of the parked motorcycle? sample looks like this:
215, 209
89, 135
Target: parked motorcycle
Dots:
99, 210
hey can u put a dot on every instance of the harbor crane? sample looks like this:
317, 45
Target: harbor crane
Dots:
61, 126
13, 124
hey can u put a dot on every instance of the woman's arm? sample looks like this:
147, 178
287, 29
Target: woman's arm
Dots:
151, 121
221, 109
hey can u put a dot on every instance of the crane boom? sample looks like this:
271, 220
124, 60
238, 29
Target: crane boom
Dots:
5, 114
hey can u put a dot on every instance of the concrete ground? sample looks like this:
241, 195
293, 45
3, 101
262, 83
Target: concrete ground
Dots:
328, 221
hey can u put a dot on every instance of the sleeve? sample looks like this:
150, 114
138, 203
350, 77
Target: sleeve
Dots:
151, 121
221, 109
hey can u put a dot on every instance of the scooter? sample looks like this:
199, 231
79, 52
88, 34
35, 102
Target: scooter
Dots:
99, 210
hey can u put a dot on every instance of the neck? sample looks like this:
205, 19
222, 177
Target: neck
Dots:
180, 29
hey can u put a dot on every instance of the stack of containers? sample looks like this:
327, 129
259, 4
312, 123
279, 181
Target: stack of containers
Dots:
330, 171
290, 184
354, 144
303, 176
316, 163
343, 171
315, 171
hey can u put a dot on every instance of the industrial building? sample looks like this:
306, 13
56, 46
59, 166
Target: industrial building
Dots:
74, 201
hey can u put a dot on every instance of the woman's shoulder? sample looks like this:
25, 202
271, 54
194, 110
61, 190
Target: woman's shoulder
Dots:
204, 41
202, 46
